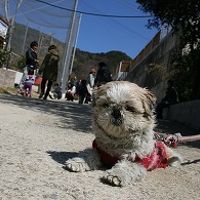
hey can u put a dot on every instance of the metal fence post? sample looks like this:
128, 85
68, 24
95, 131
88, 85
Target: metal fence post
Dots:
66, 56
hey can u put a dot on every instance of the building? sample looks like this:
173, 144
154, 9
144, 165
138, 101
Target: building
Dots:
126, 66
123, 69
153, 64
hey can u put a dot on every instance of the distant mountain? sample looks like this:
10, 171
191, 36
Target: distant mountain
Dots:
83, 61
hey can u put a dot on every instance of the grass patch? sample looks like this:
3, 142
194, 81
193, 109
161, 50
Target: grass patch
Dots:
7, 90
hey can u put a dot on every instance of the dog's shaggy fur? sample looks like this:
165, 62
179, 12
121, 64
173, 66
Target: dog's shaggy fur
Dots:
123, 125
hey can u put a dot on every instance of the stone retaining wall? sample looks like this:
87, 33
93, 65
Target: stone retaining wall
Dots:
187, 113
7, 77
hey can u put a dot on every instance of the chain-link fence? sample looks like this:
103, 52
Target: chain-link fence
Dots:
47, 22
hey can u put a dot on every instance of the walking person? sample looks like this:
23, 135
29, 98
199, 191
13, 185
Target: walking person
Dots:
49, 71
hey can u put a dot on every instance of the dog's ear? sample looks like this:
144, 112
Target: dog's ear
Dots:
149, 102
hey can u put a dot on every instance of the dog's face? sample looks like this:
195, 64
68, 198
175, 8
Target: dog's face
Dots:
123, 109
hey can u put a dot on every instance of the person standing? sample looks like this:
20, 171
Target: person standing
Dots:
103, 74
49, 70
90, 84
82, 91
170, 98
32, 58
91, 78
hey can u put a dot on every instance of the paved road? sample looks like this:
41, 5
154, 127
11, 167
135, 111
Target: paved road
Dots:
36, 138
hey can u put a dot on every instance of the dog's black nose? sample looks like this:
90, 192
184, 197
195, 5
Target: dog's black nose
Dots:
116, 117
116, 113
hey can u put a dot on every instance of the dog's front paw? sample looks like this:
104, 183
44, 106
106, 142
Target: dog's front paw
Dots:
117, 176
76, 165
124, 173
112, 180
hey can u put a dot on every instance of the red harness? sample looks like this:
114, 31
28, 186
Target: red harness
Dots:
157, 159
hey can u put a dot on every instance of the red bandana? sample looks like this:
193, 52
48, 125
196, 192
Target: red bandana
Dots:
157, 159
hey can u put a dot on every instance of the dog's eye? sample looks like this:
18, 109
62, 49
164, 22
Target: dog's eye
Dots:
130, 109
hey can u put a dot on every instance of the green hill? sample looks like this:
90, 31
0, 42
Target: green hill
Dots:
84, 61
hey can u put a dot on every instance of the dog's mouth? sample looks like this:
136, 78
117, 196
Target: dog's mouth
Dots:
116, 121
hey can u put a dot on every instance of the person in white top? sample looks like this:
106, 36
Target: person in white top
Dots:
90, 80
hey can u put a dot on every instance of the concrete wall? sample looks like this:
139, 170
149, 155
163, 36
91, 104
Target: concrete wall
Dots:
187, 113
160, 56
7, 77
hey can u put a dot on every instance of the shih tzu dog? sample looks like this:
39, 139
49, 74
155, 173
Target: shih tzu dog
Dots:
123, 124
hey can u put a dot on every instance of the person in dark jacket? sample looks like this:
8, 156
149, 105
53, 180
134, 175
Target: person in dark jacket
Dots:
32, 58
31, 63
103, 74
49, 70
170, 98
82, 91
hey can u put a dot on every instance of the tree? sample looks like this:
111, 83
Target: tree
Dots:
183, 16
20, 64
3, 57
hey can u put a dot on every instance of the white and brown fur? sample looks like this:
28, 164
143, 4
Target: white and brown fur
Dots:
123, 124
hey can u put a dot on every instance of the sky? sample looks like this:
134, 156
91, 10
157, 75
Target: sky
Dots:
96, 34
101, 34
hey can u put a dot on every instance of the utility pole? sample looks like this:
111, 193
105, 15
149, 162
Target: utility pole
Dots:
74, 50
51, 38
6, 9
40, 42
25, 37
66, 60
11, 25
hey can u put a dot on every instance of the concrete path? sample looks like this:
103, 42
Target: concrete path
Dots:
36, 138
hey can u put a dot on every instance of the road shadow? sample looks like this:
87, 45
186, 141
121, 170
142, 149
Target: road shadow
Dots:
61, 157
71, 114
79, 117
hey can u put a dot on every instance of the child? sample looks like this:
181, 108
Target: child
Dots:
56, 92
27, 85
71, 90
